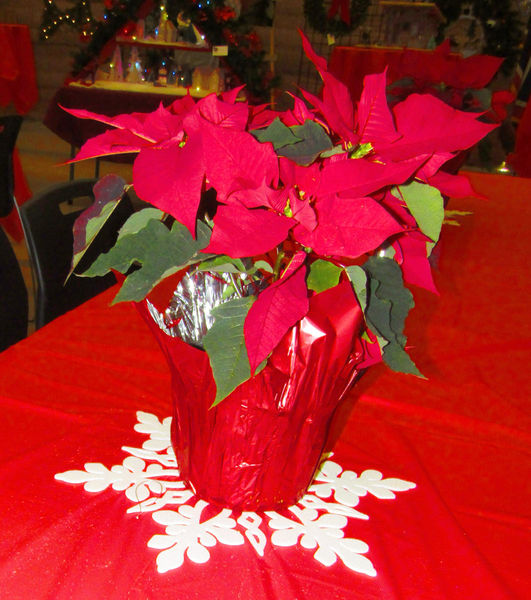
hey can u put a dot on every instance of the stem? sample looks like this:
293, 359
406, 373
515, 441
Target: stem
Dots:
235, 284
278, 262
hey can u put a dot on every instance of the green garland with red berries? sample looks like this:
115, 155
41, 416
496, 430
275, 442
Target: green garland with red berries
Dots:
78, 16
218, 22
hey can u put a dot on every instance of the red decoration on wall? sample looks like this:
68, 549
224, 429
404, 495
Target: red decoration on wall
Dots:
343, 7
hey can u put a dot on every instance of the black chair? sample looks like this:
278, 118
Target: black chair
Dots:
13, 297
47, 220
13, 293
9, 128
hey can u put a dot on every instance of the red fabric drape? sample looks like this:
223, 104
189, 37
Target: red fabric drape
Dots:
520, 159
18, 85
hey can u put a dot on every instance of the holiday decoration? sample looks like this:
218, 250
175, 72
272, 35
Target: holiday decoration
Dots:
116, 71
79, 17
343, 16
150, 479
409, 24
116, 16
500, 24
221, 22
135, 71
466, 34
294, 232
218, 21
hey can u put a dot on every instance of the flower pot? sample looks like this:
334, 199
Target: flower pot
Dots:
259, 448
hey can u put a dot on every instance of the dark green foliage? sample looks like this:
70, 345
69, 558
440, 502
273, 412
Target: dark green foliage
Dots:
302, 143
388, 305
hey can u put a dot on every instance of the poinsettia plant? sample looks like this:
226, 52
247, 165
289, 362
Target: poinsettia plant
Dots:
304, 199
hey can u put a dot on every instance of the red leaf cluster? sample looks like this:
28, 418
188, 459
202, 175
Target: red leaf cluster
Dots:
338, 208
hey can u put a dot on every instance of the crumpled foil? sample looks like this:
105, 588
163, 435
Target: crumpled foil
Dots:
258, 449
189, 314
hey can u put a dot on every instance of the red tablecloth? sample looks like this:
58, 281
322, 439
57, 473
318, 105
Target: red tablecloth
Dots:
69, 393
18, 85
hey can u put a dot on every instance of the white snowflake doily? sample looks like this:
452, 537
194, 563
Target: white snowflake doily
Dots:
150, 479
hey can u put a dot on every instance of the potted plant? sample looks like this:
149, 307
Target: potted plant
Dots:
271, 260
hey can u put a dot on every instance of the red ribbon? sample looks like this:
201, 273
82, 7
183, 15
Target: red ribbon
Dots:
342, 5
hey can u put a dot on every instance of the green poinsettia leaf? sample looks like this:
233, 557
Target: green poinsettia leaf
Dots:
358, 279
323, 275
426, 204
107, 195
156, 250
396, 358
277, 133
223, 264
225, 346
333, 151
483, 97
139, 220
388, 305
264, 266
229, 291
314, 140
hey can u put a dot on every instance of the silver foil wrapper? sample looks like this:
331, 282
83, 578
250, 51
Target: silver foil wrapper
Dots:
189, 314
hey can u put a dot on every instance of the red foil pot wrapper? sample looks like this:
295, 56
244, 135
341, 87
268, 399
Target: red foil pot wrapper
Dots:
259, 448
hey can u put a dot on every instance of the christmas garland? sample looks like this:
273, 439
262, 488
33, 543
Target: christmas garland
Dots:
78, 16
317, 17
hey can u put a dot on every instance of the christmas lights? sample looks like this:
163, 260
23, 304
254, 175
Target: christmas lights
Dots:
79, 17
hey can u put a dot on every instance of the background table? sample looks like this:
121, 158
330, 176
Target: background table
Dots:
69, 393
92, 98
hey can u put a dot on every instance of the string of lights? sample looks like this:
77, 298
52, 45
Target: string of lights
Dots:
79, 17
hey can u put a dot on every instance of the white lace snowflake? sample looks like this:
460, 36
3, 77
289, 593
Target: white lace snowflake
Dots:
150, 479
186, 533
347, 487
324, 532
